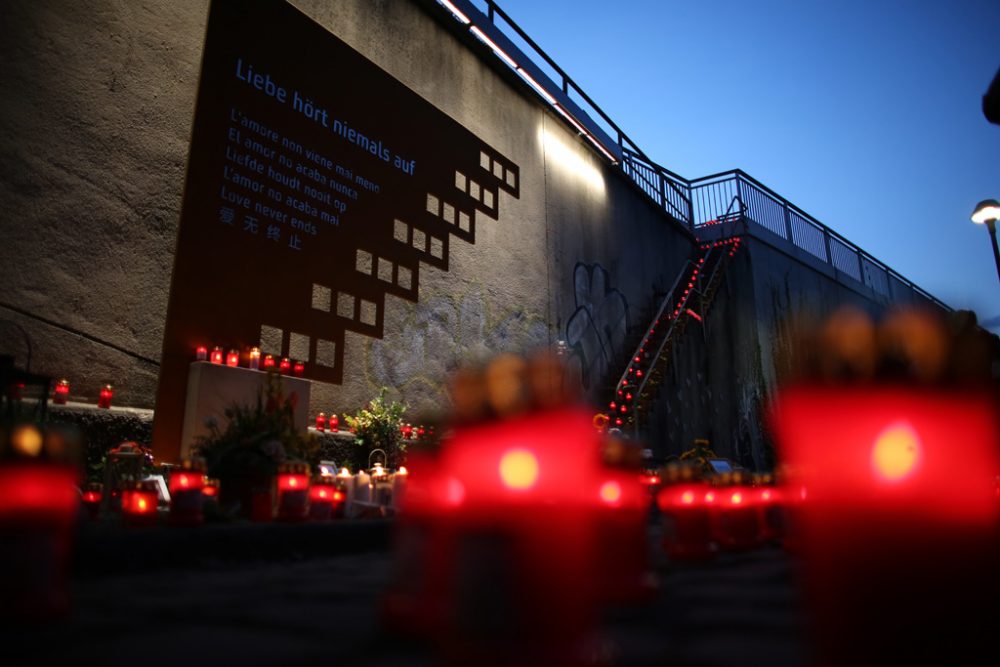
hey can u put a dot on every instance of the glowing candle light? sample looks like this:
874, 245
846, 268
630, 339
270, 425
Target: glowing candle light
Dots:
293, 491
322, 498
186, 486
334, 423
93, 494
268, 362
254, 358
139, 504
299, 369
104, 398
321, 421
201, 353
210, 489
217, 356
285, 365
61, 392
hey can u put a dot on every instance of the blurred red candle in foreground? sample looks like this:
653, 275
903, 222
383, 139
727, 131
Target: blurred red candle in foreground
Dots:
687, 520
897, 520
201, 353
268, 361
285, 365
217, 356
233, 358
298, 369
38, 507
104, 398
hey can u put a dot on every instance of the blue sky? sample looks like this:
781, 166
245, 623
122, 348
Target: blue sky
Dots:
865, 114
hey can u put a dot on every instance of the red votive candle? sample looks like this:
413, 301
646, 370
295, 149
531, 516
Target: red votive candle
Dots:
737, 513
201, 353
210, 489
92, 496
687, 520
268, 361
217, 356
321, 421
898, 523
285, 365
322, 497
293, 491
104, 398
233, 358
334, 423
139, 504
186, 487
39, 504
298, 369
61, 392
254, 358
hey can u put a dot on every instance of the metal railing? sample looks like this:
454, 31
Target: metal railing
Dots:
763, 208
693, 203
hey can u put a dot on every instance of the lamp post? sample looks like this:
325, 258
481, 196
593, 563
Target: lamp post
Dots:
988, 212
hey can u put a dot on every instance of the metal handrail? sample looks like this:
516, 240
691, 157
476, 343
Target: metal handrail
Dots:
656, 318
746, 184
635, 164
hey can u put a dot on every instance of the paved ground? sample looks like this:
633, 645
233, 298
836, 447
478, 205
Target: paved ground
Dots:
738, 610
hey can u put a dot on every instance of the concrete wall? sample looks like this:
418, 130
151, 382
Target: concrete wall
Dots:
97, 105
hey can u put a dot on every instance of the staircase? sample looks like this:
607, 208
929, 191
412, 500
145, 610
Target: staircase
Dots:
688, 299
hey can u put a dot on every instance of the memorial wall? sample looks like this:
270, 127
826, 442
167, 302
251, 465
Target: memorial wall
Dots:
352, 184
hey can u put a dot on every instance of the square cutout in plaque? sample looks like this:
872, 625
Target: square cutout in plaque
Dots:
419, 240
487, 199
433, 205
321, 298
345, 305
460, 181
401, 231
298, 346
404, 277
326, 353
484, 160
464, 222
271, 338
369, 313
474, 190
384, 270
448, 213
437, 247
364, 262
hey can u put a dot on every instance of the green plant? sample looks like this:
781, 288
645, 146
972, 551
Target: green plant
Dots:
256, 439
377, 426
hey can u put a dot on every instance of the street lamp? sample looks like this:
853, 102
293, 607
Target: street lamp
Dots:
988, 212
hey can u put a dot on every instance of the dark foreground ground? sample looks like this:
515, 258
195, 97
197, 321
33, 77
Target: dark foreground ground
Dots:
300, 608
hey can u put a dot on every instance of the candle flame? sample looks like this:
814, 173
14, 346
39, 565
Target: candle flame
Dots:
896, 452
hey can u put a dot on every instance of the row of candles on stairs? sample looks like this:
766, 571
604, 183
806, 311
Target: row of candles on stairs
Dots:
256, 361
620, 407
300, 496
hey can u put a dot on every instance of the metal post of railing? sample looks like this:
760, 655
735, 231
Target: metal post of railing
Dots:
788, 222
826, 244
861, 266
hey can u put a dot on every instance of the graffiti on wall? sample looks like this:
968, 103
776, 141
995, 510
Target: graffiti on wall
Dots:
595, 332
426, 340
